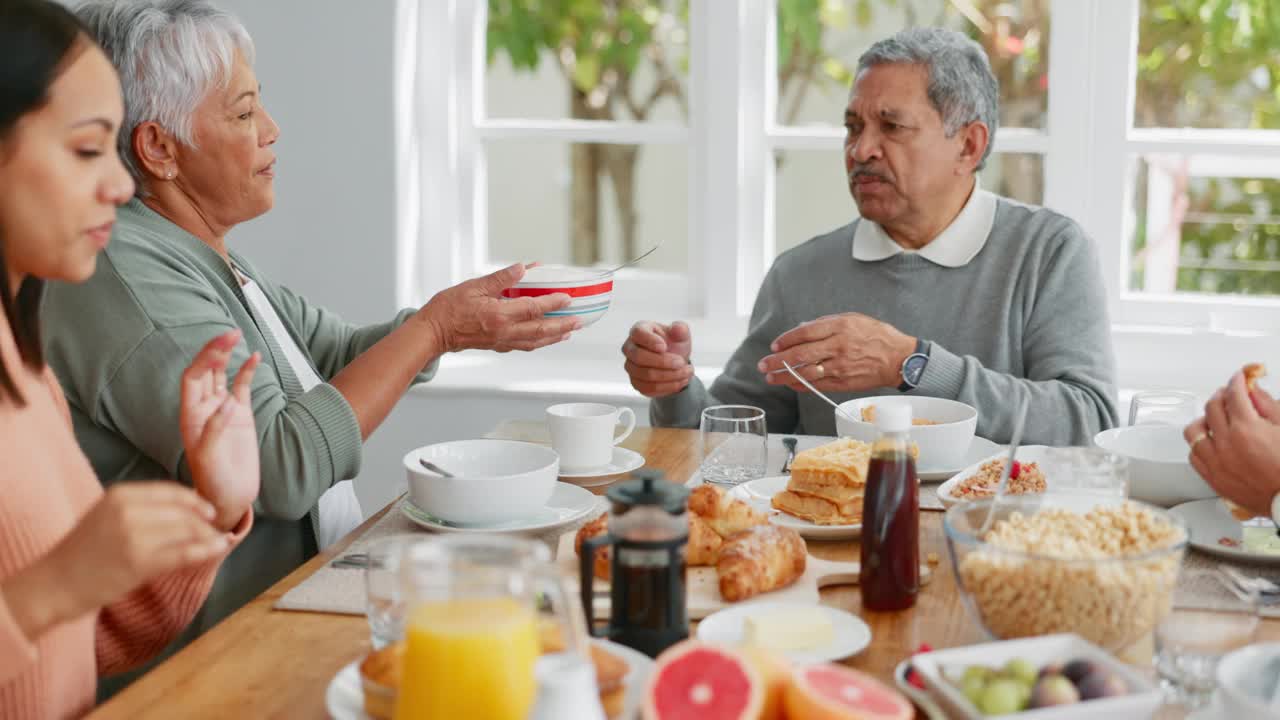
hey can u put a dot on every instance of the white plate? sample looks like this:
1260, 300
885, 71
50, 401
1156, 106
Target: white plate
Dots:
344, 698
1141, 702
568, 503
1026, 454
978, 449
1207, 521
850, 635
758, 494
624, 461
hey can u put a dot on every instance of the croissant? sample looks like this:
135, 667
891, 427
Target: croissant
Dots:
764, 558
725, 515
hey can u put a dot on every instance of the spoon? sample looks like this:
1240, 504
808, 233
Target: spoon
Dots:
1008, 467
845, 413
633, 260
435, 468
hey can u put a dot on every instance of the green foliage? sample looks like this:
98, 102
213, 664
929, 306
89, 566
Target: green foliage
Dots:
1209, 63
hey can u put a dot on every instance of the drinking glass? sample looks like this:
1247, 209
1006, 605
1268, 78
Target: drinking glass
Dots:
1163, 407
734, 444
1191, 639
1085, 471
382, 589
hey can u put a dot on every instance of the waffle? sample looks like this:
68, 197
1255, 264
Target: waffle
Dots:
818, 510
826, 483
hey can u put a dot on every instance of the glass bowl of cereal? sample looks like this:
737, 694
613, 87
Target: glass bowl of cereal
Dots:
1104, 569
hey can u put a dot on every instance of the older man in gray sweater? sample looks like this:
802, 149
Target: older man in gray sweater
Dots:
940, 288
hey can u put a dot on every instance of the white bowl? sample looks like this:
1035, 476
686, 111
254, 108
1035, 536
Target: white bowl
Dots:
1141, 702
496, 480
942, 445
1160, 469
1246, 679
591, 290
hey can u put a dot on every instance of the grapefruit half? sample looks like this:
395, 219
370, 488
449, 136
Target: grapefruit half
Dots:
696, 681
832, 692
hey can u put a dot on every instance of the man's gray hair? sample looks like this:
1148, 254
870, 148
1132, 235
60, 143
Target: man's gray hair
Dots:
170, 54
962, 87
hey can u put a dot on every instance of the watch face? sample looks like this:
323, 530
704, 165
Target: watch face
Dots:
915, 368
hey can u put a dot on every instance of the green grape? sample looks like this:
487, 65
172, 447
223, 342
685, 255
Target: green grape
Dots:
1001, 697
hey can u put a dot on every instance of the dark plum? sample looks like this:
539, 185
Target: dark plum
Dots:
1101, 684
1077, 670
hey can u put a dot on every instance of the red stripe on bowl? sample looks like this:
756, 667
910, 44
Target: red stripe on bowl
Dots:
582, 291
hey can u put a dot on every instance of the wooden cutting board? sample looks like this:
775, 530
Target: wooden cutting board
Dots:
703, 589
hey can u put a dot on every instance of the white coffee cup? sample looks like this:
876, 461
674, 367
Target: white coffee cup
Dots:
582, 433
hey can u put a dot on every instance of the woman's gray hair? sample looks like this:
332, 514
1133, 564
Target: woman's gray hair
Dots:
962, 87
170, 54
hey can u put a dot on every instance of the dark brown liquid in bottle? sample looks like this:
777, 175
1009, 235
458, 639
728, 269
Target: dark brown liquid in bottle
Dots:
890, 575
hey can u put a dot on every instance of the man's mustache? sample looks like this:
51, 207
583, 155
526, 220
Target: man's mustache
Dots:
861, 172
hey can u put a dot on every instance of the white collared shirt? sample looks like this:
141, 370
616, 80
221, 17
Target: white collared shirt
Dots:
954, 247
340, 510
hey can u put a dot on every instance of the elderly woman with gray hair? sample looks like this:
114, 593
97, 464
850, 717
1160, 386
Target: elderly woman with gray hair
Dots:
197, 140
939, 288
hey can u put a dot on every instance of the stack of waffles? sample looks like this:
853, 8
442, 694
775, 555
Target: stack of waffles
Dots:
826, 483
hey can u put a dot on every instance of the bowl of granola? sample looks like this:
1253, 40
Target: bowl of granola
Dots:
1101, 568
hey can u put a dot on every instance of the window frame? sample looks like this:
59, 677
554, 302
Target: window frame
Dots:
732, 135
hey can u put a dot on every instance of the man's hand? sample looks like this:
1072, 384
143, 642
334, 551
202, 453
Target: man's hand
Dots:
1236, 445
658, 358
849, 352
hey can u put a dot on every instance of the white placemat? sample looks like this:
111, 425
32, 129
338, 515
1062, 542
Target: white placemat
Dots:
341, 589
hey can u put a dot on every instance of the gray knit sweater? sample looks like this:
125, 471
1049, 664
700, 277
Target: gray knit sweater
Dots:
1026, 317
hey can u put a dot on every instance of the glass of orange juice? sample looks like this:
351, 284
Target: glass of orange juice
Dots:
475, 608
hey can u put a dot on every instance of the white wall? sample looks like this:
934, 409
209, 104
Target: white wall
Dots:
326, 73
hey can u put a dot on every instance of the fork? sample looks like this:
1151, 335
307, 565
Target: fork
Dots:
790, 444
1260, 585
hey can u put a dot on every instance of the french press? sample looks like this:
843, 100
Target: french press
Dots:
648, 531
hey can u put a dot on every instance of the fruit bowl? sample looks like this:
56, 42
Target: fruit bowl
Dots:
1102, 569
1128, 693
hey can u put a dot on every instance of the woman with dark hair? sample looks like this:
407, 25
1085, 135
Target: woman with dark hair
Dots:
90, 582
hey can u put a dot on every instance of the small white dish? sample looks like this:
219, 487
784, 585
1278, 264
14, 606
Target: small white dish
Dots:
1208, 523
344, 698
1246, 680
941, 444
759, 494
1026, 454
494, 480
623, 461
567, 504
850, 635
1141, 702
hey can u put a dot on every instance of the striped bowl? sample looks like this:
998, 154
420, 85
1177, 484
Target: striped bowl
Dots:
590, 289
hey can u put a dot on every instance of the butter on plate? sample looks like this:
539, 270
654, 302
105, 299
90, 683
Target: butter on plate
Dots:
788, 629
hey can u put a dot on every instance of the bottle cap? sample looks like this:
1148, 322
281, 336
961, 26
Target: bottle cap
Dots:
893, 417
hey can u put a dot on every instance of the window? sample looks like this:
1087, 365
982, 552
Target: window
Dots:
1154, 123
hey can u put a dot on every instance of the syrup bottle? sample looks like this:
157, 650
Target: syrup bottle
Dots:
890, 575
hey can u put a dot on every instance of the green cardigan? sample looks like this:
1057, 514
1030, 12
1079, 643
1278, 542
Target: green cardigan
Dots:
119, 343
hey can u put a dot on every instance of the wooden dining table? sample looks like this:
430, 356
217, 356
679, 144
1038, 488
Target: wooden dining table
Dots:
267, 663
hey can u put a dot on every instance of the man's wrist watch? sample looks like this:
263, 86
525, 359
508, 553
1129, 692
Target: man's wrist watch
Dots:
913, 367
1275, 509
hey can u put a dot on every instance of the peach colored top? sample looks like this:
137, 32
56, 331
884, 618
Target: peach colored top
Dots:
46, 486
